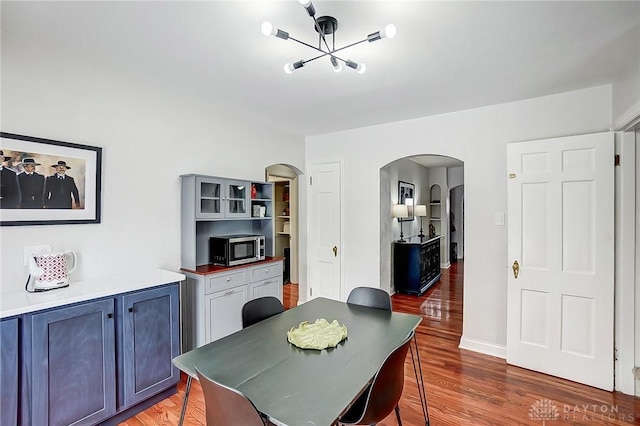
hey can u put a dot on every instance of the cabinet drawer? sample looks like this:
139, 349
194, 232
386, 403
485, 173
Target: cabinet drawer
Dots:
258, 273
223, 282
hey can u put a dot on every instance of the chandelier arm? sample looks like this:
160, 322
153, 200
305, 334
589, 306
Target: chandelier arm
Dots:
322, 56
349, 45
324, 53
308, 45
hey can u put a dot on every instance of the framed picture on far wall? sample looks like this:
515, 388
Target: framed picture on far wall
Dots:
405, 196
48, 182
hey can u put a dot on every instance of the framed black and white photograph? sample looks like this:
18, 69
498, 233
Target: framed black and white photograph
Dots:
405, 196
48, 182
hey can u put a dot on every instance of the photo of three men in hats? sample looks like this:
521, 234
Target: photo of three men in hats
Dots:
31, 190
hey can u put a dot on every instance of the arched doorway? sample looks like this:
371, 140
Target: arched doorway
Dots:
439, 184
286, 222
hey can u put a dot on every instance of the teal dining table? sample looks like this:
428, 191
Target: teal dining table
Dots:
293, 386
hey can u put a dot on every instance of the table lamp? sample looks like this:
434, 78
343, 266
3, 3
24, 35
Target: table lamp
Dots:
399, 211
420, 210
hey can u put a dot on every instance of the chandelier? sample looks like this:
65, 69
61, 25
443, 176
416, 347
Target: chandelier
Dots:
326, 26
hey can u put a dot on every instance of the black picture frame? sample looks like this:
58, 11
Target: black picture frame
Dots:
406, 190
84, 166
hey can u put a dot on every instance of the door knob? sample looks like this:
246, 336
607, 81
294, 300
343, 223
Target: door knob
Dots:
335, 251
516, 269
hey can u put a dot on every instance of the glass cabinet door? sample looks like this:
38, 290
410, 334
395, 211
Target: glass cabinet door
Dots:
237, 203
208, 198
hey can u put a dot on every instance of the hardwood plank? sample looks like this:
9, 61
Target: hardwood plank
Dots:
463, 387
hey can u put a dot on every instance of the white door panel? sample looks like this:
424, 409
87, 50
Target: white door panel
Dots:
561, 217
325, 231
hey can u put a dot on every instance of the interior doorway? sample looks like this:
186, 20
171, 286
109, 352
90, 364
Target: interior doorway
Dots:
286, 200
439, 185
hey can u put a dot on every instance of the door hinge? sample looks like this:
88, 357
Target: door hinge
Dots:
310, 291
616, 162
310, 180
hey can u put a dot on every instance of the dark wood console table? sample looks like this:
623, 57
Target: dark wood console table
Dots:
416, 264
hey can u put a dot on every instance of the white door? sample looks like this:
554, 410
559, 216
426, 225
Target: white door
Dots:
324, 231
561, 230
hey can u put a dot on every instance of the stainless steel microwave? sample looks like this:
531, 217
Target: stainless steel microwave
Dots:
231, 250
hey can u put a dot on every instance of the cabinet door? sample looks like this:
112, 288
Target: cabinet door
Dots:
237, 198
9, 372
223, 312
150, 340
270, 287
73, 356
209, 198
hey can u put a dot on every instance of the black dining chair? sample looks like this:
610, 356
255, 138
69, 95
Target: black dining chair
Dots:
260, 309
384, 393
371, 297
226, 406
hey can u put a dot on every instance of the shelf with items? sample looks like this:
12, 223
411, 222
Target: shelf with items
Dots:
261, 200
435, 211
215, 206
282, 218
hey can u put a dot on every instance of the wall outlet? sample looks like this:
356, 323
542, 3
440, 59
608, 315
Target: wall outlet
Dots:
30, 251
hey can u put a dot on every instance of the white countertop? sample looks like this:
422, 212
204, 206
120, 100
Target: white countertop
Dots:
21, 302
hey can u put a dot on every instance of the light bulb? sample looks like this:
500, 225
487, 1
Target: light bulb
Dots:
359, 67
288, 68
337, 66
267, 28
308, 6
389, 31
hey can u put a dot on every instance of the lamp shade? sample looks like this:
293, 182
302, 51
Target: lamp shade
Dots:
399, 210
420, 210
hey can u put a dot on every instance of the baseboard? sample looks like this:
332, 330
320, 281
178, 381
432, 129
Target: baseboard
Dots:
483, 347
127, 414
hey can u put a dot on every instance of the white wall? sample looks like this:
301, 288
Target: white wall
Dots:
478, 137
626, 88
149, 137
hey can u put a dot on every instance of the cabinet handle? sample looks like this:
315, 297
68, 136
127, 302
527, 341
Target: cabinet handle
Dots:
228, 279
109, 315
516, 269
130, 309
335, 251
229, 292
266, 271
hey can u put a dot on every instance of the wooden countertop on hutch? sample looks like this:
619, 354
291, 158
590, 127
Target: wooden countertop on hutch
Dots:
211, 269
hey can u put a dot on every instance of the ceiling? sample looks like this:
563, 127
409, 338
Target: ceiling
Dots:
447, 56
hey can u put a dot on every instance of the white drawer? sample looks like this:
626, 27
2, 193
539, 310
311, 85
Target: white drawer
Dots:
262, 272
226, 281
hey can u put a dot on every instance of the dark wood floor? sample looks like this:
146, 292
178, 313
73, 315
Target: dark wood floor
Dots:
463, 387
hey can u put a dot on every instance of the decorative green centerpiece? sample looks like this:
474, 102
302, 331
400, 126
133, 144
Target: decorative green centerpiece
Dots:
320, 335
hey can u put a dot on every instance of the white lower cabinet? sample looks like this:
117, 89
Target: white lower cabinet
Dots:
222, 312
212, 302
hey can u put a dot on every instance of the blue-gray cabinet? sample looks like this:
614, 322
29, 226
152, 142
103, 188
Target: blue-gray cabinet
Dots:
416, 264
9, 371
99, 361
150, 340
73, 364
